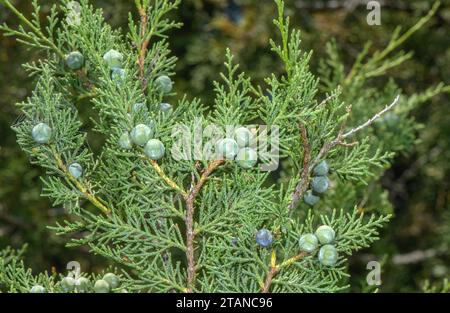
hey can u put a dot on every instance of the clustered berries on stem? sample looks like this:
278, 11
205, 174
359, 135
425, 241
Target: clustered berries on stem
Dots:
319, 184
325, 236
309, 243
238, 148
110, 282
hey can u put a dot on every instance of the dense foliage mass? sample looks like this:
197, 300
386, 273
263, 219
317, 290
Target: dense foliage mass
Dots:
198, 226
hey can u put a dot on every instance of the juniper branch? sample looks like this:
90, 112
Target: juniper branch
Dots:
190, 210
81, 187
36, 30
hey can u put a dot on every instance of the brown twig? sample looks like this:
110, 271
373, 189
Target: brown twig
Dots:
143, 48
304, 177
308, 166
276, 268
190, 211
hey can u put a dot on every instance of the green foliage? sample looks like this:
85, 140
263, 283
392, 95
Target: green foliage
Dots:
134, 211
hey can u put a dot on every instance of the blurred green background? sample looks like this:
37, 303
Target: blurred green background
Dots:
414, 246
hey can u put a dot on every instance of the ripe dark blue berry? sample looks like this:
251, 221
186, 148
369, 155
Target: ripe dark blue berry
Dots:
325, 234
125, 141
310, 198
112, 280
247, 158
68, 284
141, 134
227, 148
321, 169
75, 60
328, 255
320, 184
113, 58
41, 133
243, 136
101, 286
154, 149
76, 170
308, 243
37, 289
264, 238
164, 84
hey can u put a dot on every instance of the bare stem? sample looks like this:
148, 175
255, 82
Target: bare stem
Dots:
190, 211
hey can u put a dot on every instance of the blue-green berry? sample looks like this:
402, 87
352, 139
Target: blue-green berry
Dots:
328, 255
247, 158
166, 108
320, 184
264, 238
102, 286
227, 148
118, 74
308, 243
325, 234
37, 289
68, 284
125, 141
82, 284
41, 133
141, 134
154, 149
112, 280
164, 84
243, 136
321, 169
75, 60
310, 198
76, 170
138, 107
113, 58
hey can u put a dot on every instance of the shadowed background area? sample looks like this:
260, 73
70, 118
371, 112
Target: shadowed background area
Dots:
414, 247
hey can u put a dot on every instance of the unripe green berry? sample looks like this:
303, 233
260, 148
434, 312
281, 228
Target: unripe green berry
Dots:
68, 284
112, 280
328, 255
41, 133
164, 84
308, 243
125, 141
37, 289
320, 184
82, 284
76, 170
101, 286
264, 238
243, 136
227, 148
141, 134
117, 74
75, 60
154, 149
113, 58
310, 198
166, 108
321, 169
247, 158
325, 234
